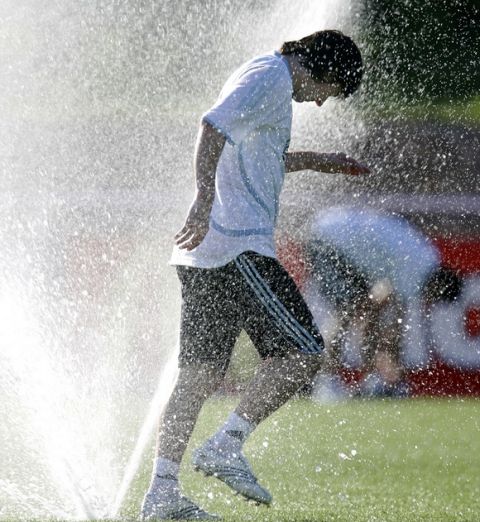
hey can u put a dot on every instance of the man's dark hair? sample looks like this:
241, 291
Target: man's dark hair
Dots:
443, 285
330, 57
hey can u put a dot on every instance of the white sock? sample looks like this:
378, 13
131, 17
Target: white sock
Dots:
165, 477
232, 435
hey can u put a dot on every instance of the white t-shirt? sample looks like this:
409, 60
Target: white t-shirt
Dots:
381, 245
254, 113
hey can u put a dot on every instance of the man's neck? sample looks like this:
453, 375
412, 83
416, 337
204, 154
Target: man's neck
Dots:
297, 71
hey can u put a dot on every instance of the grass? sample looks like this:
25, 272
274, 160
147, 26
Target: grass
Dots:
361, 460
354, 461
465, 112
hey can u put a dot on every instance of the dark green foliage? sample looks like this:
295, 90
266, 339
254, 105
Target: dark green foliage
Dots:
421, 49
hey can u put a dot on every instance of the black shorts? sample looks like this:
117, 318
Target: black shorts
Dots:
252, 293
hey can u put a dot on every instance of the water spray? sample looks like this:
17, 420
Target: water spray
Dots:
164, 389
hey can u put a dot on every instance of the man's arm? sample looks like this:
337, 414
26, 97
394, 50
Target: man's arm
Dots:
208, 149
336, 163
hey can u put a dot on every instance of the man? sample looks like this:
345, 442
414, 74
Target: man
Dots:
225, 257
369, 265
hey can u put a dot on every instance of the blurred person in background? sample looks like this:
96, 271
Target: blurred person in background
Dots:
368, 265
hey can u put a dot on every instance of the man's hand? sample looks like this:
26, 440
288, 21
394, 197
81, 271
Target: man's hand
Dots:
196, 225
342, 164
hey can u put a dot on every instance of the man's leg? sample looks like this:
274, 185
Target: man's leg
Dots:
282, 328
196, 382
275, 382
208, 331
383, 333
346, 290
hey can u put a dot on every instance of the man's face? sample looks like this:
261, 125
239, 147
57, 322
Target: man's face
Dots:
318, 92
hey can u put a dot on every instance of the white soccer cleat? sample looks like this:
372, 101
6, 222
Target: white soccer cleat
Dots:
179, 508
232, 469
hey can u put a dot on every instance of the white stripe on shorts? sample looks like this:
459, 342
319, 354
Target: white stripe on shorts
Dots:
282, 317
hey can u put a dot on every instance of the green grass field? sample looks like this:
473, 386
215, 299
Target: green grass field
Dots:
466, 112
353, 461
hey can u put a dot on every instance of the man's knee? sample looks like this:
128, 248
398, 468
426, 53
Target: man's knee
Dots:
306, 364
314, 362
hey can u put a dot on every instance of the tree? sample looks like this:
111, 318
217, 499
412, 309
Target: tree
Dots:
422, 49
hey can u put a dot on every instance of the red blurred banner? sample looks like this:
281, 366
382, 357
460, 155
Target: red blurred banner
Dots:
447, 346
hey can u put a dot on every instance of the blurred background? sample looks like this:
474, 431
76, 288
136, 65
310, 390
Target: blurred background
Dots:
100, 104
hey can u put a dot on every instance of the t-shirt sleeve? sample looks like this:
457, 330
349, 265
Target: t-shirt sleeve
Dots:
245, 103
